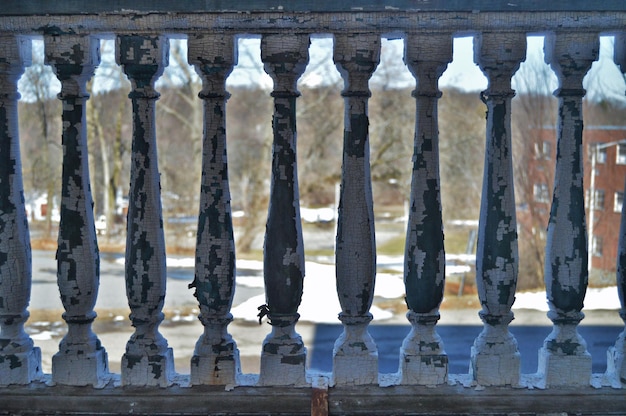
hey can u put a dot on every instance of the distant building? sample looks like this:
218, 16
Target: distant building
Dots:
608, 189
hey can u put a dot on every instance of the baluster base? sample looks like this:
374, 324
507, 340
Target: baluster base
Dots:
20, 367
564, 370
616, 359
218, 367
564, 359
495, 358
78, 369
283, 360
355, 356
423, 370
423, 360
148, 370
496, 367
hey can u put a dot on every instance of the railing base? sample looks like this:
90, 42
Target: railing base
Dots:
38, 399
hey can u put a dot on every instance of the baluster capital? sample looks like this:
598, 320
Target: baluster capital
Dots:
73, 59
15, 54
143, 59
427, 57
213, 57
570, 56
356, 57
285, 58
499, 56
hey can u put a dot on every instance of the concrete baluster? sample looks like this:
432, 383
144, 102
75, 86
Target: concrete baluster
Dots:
423, 359
20, 360
564, 359
616, 355
355, 355
148, 361
216, 357
81, 359
495, 359
283, 358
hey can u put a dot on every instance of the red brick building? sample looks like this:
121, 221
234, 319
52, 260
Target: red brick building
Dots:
608, 189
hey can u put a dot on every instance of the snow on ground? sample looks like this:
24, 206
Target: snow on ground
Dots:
604, 298
320, 303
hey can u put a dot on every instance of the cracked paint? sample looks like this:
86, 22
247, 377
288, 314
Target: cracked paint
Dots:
495, 359
20, 360
356, 58
566, 275
422, 356
81, 359
284, 356
214, 278
148, 359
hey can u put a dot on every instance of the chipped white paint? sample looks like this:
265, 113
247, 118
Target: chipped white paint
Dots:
20, 360
563, 359
423, 359
283, 356
148, 361
81, 359
216, 357
355, 356
560, 367
495, 359
422, 356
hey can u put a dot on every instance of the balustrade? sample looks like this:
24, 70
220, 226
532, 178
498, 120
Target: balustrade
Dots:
142, 52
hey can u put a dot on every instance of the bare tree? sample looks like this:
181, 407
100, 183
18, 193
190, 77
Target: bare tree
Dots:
45, 166
534, 141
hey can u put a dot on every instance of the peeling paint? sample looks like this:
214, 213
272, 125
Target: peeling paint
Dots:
81, 359
148, 360
284, 58
20, 360
495, 359
356, 58
566, 275
214, 279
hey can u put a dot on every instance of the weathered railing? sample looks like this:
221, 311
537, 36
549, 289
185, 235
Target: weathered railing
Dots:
71, 32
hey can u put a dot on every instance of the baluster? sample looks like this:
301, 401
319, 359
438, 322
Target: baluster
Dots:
283, 358
148, 360
495, 359
616, 355
355, 356
564, 359
20, 360
216, 357
422, 356
81, 359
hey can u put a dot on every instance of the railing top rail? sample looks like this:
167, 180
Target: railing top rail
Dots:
39, 7
37, 17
